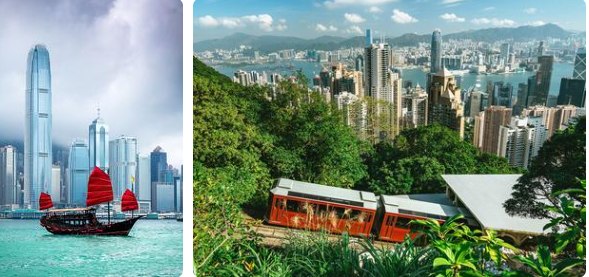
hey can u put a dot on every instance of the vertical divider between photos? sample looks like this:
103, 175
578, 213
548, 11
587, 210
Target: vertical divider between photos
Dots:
188, 248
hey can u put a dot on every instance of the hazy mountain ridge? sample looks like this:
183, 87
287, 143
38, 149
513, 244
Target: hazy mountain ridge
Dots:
269, 43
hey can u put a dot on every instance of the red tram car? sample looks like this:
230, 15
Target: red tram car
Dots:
316, 207
311, 206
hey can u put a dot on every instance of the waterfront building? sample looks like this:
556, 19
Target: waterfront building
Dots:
123, 163
415, 108
9, 189
572, 92
436, 52
38, 117
56, 183
165, 197
445, 107
159, 169
77, 173
143, 178
580, 64
368, 37
502, 95
540, 87
98, 144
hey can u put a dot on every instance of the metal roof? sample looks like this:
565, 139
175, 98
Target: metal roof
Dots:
288, 187
408, 204
484, 195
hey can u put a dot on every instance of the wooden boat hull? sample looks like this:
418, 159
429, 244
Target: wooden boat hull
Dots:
56, 225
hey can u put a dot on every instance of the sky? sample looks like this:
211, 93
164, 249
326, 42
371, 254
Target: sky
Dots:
314, 18
124, 56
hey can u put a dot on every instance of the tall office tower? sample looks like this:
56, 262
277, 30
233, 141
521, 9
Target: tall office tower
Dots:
78, 172
538, 91
368, 37
520, 141
436, 52
8, 176
415, 108
520, 102
477, 136
541, 49
445, 107
572, 92
580, 64
475, 103
98, 144
359, 63
505, 51
56, 183
502, 95
123, 163
159, 165
495, 117
38, 143
143, 178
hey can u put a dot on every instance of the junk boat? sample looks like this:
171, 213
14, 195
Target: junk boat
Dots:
83, 221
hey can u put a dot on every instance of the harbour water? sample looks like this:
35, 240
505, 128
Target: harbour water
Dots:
416, 75
153, 248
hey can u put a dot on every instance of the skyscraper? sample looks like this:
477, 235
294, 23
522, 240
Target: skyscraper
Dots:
580, 64
445, 107
98, 144
78, 173
495, 117
38, 117
8, 176
159, 167
520, 141
538, 92
123, 163
436, 52
572, 92
368, 36
143, 178
56, 183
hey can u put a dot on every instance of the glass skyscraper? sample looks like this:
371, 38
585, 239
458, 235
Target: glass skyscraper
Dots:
37, 143
98, 144
8, 176
436, 52
123, 163
78, 172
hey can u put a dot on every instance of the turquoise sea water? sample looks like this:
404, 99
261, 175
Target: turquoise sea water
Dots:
153, 248
416, 75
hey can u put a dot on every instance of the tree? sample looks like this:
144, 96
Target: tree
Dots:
558, 166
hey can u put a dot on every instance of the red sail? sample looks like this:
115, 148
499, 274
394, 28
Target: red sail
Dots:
99, 188
45, 201
129, 202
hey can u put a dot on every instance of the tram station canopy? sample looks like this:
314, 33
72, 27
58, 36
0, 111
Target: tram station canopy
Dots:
484, 195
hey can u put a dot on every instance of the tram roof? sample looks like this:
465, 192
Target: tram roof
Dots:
484, 195
288, 187
434, 206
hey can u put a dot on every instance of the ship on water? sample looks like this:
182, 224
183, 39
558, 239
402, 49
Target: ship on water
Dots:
83, 221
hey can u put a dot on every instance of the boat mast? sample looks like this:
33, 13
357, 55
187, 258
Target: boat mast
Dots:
108, 212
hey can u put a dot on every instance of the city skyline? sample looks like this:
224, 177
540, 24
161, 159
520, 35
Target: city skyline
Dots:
110, 55
310, 19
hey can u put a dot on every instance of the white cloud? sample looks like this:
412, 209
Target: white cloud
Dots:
264, 22
450, 17
374, 9
489, 9
530, 10
331, 4
402, 17
354, 30
354, 18
322, 28
208, 21
493, 21
452, 1
536, 23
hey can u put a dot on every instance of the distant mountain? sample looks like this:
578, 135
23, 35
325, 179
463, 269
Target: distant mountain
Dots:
267, 44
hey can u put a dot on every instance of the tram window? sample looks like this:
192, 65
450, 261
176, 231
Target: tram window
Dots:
339, 212
292, 206
321, 209
390, 220
402, 222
